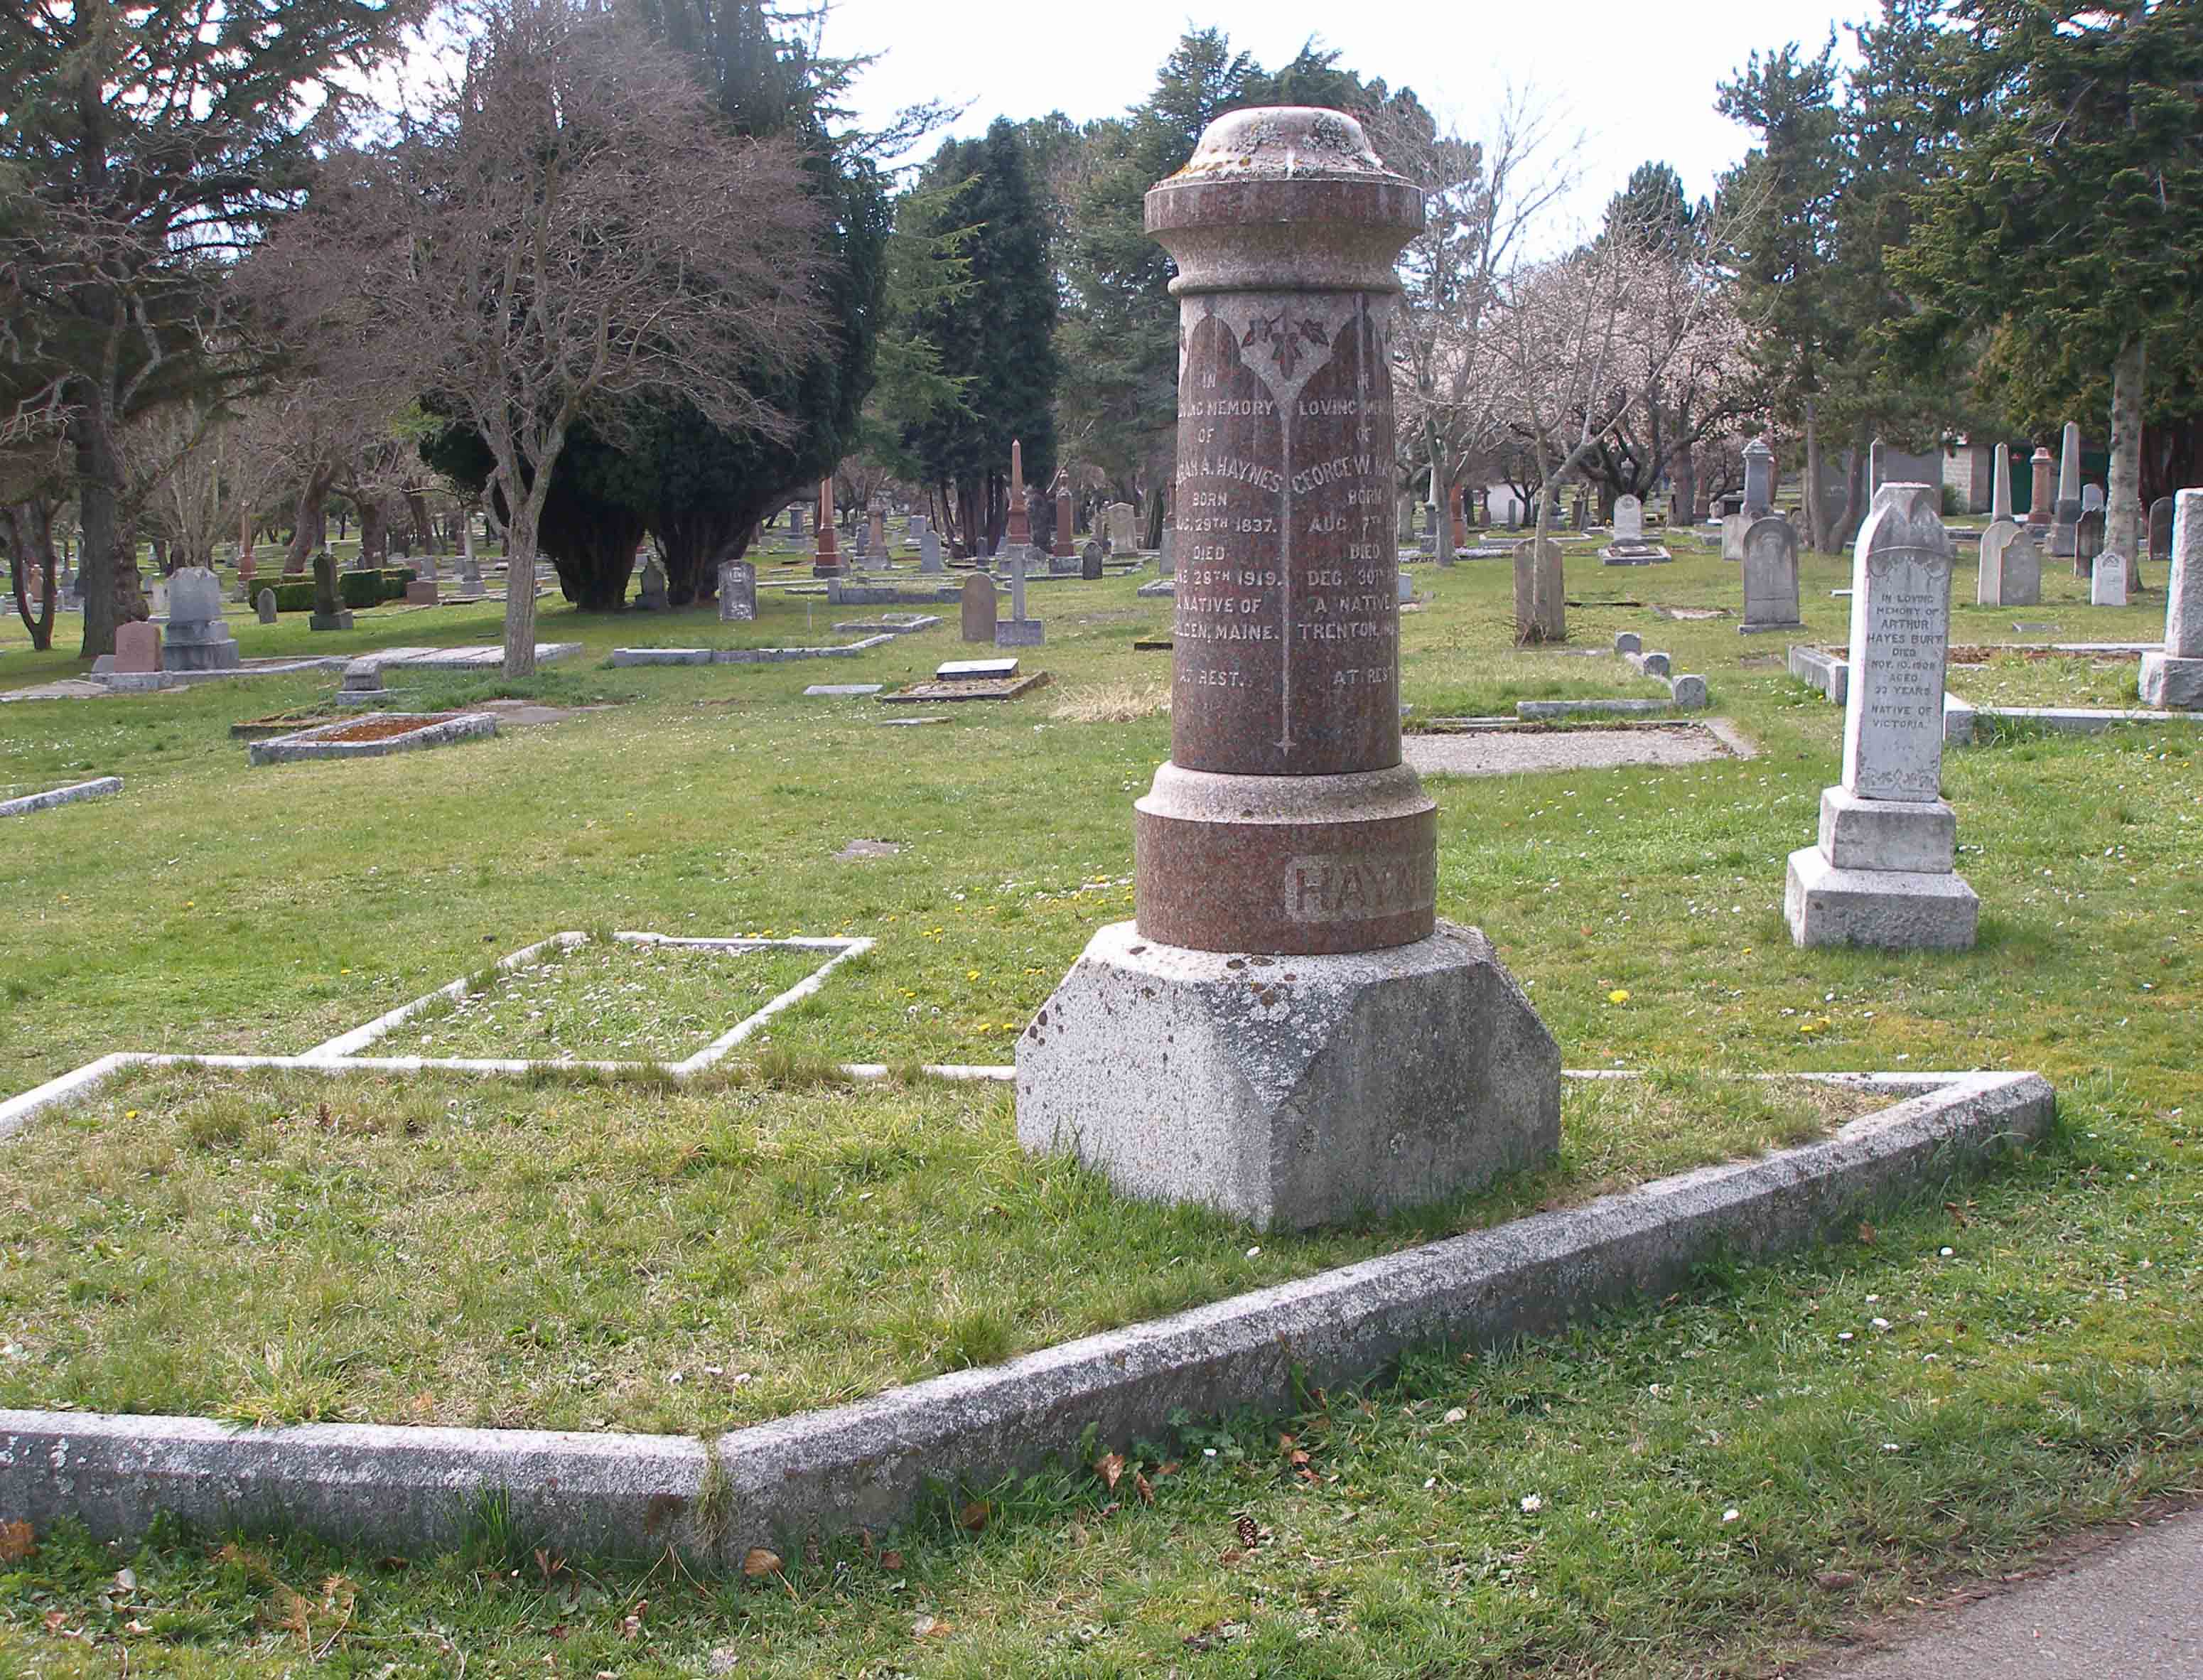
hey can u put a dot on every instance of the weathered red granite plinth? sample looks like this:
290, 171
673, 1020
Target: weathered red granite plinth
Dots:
1287, 1032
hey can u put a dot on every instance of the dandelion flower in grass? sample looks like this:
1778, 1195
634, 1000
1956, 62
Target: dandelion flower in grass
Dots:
1617, 996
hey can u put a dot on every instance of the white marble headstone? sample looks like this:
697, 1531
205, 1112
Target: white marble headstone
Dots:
1900, 645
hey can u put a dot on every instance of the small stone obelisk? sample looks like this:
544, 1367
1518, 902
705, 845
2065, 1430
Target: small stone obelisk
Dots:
1882, 874
1016, 526
2066, 516
1286, 1032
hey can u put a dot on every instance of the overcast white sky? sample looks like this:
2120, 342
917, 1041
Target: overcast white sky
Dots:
1637, 80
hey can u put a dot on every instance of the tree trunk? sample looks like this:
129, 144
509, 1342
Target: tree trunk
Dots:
310, 524
374, 534
693, 543
2123, 510
106, 584
520, 587
1817, 512
1682, 484
424, 528
1858, 492
30, 530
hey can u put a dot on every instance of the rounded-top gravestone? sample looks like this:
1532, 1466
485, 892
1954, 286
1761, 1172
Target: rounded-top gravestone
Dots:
980, 610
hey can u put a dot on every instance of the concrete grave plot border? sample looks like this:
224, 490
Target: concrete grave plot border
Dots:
892, 624
1828, 673
870, 1463
437, 729
341, 1055
347, 1047
625, 657
99, 787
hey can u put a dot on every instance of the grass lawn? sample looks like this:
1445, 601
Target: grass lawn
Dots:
2042, 1374
604, 1001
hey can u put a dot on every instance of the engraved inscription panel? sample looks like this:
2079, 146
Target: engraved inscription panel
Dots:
1287, 625
1900, 644
1360, 886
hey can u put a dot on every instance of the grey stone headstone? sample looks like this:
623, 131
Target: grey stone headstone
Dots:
653, 596
1900, 645
2010, 570
980, 611
2107, 581
1770, 575
1734, 529
2092, 498
737, 592
2088, 536
1629, 520
1759, 478
264, 605
1166, 559
928, 551
1089, 568
2160, 527
196, 638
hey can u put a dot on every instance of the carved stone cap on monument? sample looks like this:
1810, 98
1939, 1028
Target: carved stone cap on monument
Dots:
1289, 196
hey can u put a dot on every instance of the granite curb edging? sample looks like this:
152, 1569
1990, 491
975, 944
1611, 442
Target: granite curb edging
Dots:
98, 788
870, 1463
623, 657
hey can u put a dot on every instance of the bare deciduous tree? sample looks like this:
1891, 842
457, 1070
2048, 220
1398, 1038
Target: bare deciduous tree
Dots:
1578, 342
570, 230
1481, 201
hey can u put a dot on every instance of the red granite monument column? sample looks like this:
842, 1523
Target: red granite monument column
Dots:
1062, 549
2041, 495
1287, 1033
1285, 822
826, 554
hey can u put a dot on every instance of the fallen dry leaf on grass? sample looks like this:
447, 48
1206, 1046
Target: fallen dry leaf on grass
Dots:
757, 1562
16, 1543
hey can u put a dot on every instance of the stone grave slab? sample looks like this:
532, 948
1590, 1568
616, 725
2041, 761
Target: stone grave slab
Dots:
964, 689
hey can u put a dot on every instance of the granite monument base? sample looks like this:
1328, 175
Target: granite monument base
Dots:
330, 621
1885, 909
206, 646
1019, 633
2170, 682
1291, 1091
